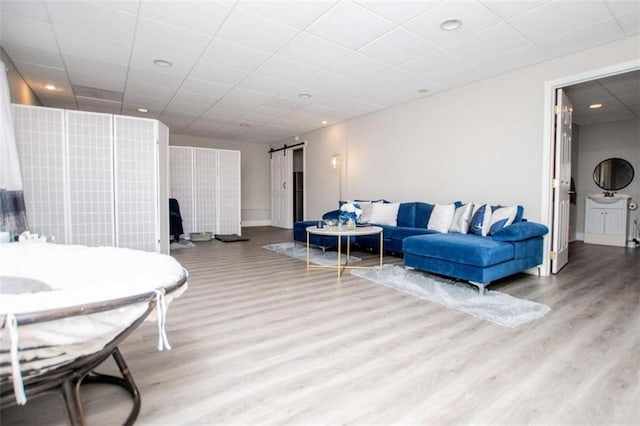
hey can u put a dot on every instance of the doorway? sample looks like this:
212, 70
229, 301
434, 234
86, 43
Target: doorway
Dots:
578, 88
287, 185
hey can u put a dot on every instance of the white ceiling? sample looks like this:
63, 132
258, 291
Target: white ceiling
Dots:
239, 66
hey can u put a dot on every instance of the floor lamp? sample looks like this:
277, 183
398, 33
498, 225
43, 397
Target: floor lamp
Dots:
335, 163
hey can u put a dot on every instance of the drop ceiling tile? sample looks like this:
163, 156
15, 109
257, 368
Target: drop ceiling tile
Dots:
329, 82
473, 15
395, 79
284, 103
508, 8
54, 98
186, 109
144, 77
26, 9
516, 59
217, 73
253, 119
17, 31
143, 57
243, 99
203, 17
196, 99
359, 67
350, 105
264, 84
92, 19
313, 51
132, 111
268, 111
175, 123
233, 55
488, 44
171, 39
623, 84
436, 64
136, 88
97, 105
619, 7
630, 22
220, 114
582, 38
350, 25
284, 69
254, 31
544, 22
206, 127
398, 11
40, 75
34, 55
295, 14
153, 104
331, 115
91, 73
397, 47
205, 88
73, 43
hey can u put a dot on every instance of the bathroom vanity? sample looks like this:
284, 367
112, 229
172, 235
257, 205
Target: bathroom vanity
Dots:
606, 219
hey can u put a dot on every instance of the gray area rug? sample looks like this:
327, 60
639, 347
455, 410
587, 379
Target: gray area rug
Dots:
494, 306
316, 256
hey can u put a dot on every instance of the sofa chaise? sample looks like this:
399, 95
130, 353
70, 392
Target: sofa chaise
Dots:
476, 252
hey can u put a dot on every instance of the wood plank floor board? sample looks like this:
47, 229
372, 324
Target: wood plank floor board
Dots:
258, 339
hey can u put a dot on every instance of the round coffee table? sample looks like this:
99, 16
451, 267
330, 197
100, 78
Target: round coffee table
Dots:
339, 232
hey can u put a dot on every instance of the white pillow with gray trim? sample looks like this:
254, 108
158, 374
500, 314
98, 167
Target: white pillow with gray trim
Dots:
384, 213
462, 219
441, 217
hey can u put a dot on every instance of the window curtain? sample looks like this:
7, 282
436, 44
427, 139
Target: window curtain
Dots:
13, 215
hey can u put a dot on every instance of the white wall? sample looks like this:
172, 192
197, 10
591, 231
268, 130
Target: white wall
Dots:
601, 141
256, 199
481, 142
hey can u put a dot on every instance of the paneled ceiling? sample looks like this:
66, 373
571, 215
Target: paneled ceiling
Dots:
243, 70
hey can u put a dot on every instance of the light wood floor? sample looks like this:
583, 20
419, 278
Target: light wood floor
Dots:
258, 339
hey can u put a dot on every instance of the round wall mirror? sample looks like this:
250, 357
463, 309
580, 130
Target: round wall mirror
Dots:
613, 174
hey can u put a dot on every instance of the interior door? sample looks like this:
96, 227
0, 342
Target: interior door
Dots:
561, 182
281, 195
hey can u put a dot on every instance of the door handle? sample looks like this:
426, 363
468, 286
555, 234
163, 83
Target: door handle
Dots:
284, 185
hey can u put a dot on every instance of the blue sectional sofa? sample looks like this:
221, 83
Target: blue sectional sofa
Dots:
477, 259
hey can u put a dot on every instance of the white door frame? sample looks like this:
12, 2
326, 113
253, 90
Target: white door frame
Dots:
548, 136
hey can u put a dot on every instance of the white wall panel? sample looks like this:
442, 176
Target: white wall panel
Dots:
90, 178
40, 140
136, 182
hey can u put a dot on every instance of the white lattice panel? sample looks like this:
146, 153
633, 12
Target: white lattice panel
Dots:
181, 184
205, 197
40, 140
90, 178
136, 183
228, 187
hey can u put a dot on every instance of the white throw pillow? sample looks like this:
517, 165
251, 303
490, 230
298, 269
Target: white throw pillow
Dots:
462, 219
502, 217
441, 217
367, 208
384, 213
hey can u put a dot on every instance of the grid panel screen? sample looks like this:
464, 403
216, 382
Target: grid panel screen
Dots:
205, 189
90, 172
229, 191
136, 183
40, 140
181, 184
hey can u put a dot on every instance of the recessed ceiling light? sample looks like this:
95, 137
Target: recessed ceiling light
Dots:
451, 24
304, 95
324, 121
595, 106
50, 87
423, 90
142, 110
163, 63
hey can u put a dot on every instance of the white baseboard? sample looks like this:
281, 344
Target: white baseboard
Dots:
250, 223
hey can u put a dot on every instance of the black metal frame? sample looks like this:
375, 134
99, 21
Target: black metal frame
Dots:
67, 379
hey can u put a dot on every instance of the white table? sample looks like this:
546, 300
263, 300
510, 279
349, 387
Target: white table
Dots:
339, 232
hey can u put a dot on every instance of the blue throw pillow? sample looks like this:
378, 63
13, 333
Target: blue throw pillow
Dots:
481, 221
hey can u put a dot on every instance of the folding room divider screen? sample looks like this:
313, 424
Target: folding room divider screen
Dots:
92, 178
206, 183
